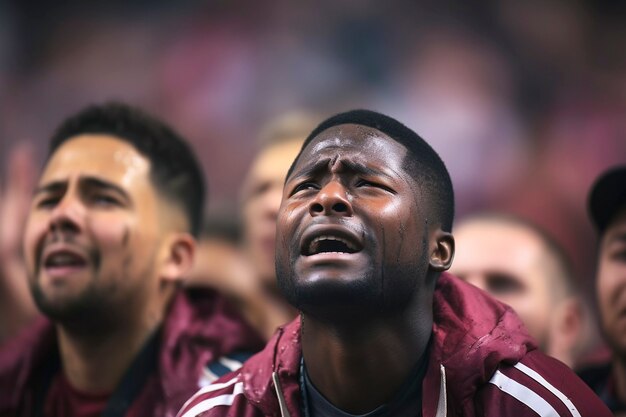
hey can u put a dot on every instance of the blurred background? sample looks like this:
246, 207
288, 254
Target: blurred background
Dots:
524, 100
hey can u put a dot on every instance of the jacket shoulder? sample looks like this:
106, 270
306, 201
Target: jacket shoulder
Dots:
223, 398
538, 385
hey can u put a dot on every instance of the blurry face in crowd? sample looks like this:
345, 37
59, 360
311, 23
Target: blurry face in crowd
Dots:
94, 233
350, 226
507, 261
611, 283
261, 194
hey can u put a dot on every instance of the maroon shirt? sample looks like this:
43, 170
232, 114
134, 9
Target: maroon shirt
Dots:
63, 400
200, 328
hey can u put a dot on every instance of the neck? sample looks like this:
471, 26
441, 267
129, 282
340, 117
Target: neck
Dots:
361, 366
96, 360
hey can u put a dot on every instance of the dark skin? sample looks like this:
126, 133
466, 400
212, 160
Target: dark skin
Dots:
358, 252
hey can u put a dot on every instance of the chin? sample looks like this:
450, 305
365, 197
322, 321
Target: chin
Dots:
336, 301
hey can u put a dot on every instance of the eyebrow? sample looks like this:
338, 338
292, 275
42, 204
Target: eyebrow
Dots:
86, 181
361, 168
105, 185
310, 169
354, 166
51, 187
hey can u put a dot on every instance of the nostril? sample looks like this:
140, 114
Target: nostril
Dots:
340, 207
63, 225
317, 208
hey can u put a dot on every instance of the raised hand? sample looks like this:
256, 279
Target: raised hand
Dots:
16, 304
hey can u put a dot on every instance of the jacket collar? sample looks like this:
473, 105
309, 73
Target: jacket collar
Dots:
472, 335
200, 327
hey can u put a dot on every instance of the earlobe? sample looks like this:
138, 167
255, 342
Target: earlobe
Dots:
443, 252
179, 257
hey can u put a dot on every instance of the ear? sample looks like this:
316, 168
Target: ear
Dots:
442, 251
567, 326
179, 252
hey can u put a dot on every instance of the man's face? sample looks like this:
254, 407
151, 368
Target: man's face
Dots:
611, 283
351, 233
261, 194
506, 261
93, 232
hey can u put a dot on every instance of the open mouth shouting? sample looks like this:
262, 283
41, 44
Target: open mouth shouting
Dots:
62, 261
330, 242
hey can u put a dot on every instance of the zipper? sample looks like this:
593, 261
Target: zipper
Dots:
284, 412
442, 406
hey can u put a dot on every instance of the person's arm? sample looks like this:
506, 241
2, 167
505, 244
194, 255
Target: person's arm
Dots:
17, 308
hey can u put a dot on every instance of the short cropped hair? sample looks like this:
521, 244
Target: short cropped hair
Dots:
174, 170
421, 162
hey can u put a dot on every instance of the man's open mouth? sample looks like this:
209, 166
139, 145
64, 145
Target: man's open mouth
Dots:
64, 258
330, 244
330, 240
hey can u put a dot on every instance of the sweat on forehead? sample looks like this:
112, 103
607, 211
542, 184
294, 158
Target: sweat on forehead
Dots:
422, 162
351, 136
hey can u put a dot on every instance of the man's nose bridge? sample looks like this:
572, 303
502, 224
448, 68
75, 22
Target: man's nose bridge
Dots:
69, 207
333, 198
334, 190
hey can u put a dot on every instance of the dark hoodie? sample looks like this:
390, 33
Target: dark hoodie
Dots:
482, 363
200, 327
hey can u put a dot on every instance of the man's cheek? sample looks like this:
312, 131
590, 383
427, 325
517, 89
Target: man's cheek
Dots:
110, 235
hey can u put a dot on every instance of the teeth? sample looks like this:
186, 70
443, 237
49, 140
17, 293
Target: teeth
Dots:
315, 244
345, 242
64, 259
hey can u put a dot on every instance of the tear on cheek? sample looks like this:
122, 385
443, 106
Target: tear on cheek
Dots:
125, 236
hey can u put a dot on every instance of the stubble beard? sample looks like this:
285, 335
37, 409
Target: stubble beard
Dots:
378, 292
80, 310
88, 309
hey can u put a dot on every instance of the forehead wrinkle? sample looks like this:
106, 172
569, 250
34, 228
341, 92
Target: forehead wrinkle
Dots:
363, 169
310, 168
337, 143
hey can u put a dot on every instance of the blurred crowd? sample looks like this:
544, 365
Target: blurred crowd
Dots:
524, 101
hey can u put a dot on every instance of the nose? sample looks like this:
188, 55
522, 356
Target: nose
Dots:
332, 199
67, 215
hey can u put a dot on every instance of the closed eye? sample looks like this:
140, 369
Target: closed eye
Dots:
307, 185
374, 184
105, 200
47, 202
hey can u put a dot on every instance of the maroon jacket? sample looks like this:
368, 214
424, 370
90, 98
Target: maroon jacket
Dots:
482, 363
200, 327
